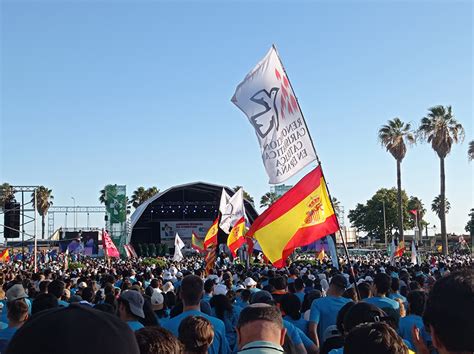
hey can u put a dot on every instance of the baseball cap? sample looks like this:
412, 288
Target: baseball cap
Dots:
82, 285
261, 296
46, 333
250, 282
167, 276
157, 298
16, 292
220, 289
135, 301
167, 287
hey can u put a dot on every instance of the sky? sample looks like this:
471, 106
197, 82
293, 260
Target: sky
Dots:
138, 93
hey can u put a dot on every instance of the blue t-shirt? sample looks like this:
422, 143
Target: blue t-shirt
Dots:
406, 324
207, 298
230, 322
8, 333
395, 296
383, 302
293, 333
63, 303
324, 312
300, 296
219, 344
337, 351
134, 325
301, 323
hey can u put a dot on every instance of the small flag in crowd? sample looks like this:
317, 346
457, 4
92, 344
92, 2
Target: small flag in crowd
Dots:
210, 259
5, 256
301, 216
109, 248
197, 243
236, 236
130, 251
211, 236
178, 245
321, 255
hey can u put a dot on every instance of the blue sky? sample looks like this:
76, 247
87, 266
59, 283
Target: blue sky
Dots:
138, 92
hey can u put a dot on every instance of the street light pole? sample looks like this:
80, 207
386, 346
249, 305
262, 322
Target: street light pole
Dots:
74, 202
384, 224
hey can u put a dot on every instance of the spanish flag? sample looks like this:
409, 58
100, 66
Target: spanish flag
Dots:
400, 249
236, 236
210, 259
197, 243
4, 256
211, 236
301, 216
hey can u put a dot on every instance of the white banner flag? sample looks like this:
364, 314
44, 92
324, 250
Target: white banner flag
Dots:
178, 245
224, 201
233, 211
267, 99
414, 254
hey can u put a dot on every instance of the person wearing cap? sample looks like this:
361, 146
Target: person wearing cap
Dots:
157, 303
251, 285
17, 316
192, 289
131, 308
324, 310
381, 287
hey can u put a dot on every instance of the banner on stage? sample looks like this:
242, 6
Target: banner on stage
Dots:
168, 229
267, 99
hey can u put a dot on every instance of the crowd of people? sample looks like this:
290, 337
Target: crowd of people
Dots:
132, 306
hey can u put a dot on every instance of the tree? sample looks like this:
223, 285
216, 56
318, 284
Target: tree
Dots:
394, 136
436, 206
7, 194
470, 150
141, 195
268, 199
368, 217
247, 196
441, 129
102, 196
470, 224
44, 199
337, 207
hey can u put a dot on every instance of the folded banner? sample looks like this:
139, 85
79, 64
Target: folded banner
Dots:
109, 248
267, 99
302, 215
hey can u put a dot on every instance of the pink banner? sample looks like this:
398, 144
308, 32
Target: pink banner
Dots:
109, 247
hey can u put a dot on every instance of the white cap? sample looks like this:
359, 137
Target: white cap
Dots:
167, 287
249, 282
213, 277
173, 270
167, 275
82, 285
311, 277
157, 297
220, 289
369, 278
179, 275
239, 287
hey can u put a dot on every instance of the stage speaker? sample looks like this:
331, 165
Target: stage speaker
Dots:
12, 220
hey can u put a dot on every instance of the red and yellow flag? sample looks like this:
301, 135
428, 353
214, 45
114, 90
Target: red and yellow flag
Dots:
197, 243
236, 236
400, 249
211, 236
5, 256
301, 216
210, 259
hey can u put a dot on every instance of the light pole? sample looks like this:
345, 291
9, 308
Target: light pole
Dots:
74, 202
384, 224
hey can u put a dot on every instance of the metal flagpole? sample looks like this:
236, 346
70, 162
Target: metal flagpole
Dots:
384, 224
322, 173
35, 252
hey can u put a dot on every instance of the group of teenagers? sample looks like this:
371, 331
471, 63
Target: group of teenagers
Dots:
130, 306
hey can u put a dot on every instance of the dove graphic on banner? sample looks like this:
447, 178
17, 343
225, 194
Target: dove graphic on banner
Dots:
178, 245
269, 102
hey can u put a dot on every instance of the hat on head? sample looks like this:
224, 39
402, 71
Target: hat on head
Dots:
249, 282
82, 285
179, 275
311, 277
135, 301
220, 289
173, 270
157, 298
261, 296
16, 292
167, 275
46, 333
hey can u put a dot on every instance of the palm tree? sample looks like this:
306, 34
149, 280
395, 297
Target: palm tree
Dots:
436, 206
102, 196
470, 151
394, 136
141, 194
441, 129
268, 199
44, 199
337, 207
247, 196
7, 194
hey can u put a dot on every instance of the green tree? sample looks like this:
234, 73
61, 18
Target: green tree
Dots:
436, 206
7, 194
470, 224
337, 207
368, 217
414, 203
141, 195
247, 196
268, 199
44, 199
441, 129
470, 150
394, 136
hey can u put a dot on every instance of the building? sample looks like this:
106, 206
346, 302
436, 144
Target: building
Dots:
280, 189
